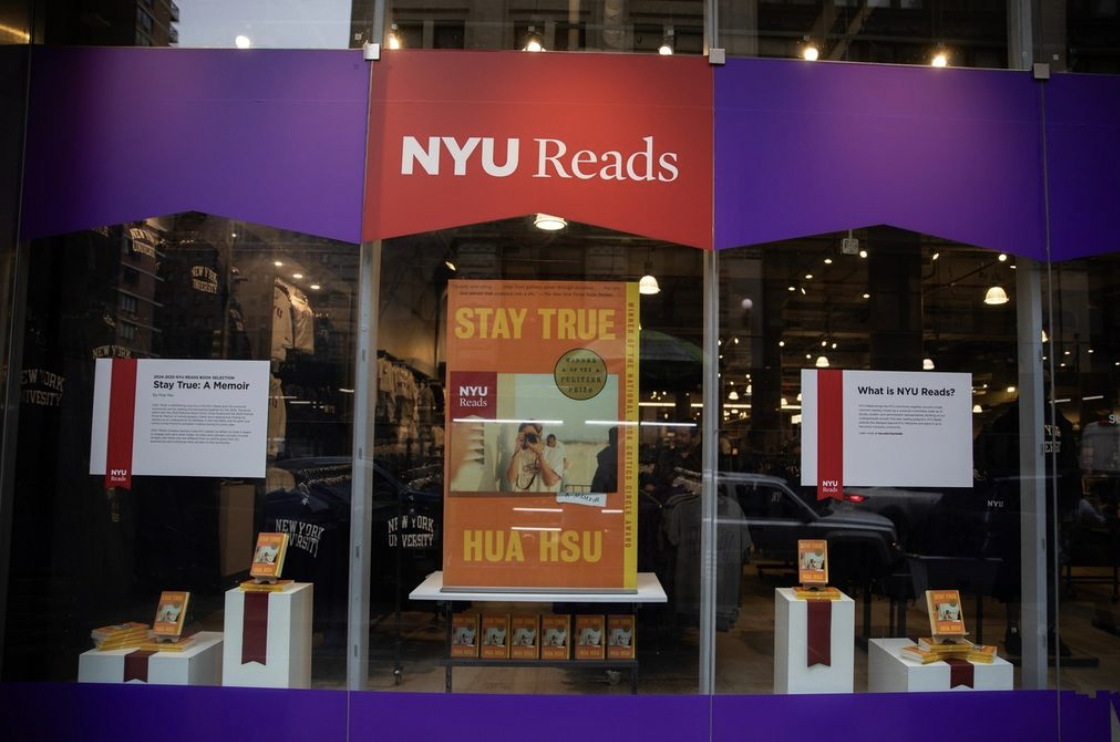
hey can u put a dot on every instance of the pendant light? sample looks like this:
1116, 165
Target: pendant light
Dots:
996, 296
822, 362
666, 49
394, 37
648, 284
549, 223
534, 43
927, 364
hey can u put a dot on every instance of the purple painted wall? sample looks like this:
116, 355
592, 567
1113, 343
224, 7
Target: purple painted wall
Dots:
121, 713
1083, 162
273, 137
806, 148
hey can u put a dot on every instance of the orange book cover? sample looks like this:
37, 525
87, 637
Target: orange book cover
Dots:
812, 562
525, 637
464, 635
171, 613
268, 557
542, 384
590, 637
622, 638
946, 613
495, 637
556, 639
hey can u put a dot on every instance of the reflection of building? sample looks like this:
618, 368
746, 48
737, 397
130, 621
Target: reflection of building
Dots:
112, 22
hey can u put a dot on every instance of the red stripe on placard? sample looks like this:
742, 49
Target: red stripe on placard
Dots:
122, 421
961, 672
819, 633
254, 629
136, 665
830, 434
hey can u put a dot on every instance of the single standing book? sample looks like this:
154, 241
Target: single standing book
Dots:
812, 562
621, 637
590, 639
525, 644
556, 637
946, 617
495, 637
464, 635
171, 614
268, 557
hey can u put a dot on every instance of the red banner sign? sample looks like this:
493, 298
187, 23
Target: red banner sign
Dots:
122, 407
830, 434
619, 142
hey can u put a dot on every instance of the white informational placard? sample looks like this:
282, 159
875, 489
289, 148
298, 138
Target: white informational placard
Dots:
190, 418
895, 428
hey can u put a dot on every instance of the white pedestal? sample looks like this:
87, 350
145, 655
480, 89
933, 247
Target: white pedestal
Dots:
791, 621
288, 654
200, 664
890, 672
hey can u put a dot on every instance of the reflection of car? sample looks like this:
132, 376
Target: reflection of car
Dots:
860, 545
908, 509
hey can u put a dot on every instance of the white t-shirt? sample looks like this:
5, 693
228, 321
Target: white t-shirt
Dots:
303, 321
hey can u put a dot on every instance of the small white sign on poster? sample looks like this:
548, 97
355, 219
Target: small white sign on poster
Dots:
190, 418
894, 428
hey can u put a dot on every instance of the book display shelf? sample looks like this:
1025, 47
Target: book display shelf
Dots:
649, 591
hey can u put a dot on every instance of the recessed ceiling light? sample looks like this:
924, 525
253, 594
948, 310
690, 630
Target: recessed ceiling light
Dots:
297, 276
278, 264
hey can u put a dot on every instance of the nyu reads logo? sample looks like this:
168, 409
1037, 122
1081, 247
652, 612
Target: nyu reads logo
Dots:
552, 159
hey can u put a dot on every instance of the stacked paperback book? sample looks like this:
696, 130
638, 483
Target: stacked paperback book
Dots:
120, 636
927, 651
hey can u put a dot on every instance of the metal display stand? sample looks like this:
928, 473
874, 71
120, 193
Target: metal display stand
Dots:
649, 591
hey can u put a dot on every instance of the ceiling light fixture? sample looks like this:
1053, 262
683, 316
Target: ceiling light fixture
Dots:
648, 283
976, 409
863, 253
927, 364
297, 276
315, 287
241, 41
394, 37
810, 53
1002, 257
822, 362
534, 43
666, 48
940, 59
450, 265
996, 296
549, 223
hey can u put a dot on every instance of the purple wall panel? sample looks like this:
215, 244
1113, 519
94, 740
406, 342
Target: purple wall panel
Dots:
93, 712
1023, 716
101, 713
531, 717
1083, 162
805, 148
273, 137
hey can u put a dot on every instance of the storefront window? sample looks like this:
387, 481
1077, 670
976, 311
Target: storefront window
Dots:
869, 423
1082, 357
613, 26
920, 32
252, 332
425, 421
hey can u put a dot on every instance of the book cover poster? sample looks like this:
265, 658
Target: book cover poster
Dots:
541, 465
590, 637
812, 562
556, 637
464, 635
622, 639
525, 637
171, 613
268, 556
495, 637
946, 614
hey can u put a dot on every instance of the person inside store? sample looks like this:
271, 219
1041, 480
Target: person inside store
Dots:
529, 468
557, 456
606, 470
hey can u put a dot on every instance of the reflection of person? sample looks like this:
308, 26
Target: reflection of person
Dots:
948, 612
812, 561
606, 474
529, 468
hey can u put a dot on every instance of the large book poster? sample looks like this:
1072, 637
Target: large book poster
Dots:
541, 465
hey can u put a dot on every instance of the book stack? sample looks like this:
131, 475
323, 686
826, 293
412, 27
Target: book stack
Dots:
927, 650
983, 654
120, 636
